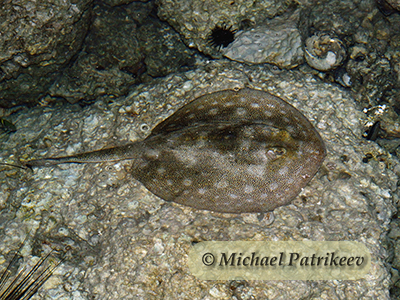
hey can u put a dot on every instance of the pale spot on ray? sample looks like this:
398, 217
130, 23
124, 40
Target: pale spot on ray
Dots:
273, 186
241, 111
268, 113
187, 182
161, 171
213, 111
248, 189
233, 196
258, 171
283, 171
221, 184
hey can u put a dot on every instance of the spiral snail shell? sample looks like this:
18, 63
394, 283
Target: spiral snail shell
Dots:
324, 51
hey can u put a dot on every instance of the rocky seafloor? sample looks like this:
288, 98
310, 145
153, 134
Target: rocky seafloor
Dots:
128, 244
335, 61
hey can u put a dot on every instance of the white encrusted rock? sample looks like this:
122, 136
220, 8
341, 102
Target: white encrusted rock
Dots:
276, 41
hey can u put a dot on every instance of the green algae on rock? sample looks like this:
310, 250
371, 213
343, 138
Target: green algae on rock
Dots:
229, 151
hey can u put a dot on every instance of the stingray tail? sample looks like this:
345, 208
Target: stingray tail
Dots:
109, 154
15, 166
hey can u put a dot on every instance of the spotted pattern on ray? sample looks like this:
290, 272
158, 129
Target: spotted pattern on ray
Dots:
241, 159
229, 151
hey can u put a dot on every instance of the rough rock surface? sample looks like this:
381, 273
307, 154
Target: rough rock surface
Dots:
128, 244
37, 39
194, 20
119, 52
54, 55
388, 7
371, 39
275, 41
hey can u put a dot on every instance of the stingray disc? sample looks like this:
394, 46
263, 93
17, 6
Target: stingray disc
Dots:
231, 151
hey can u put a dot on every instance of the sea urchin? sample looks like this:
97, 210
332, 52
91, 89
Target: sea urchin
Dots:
222, 36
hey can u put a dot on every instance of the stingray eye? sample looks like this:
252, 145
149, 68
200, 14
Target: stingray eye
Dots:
229, 135
275, 152
279, 151
144, 127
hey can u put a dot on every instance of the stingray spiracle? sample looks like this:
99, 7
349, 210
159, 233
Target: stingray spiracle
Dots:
324, 51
